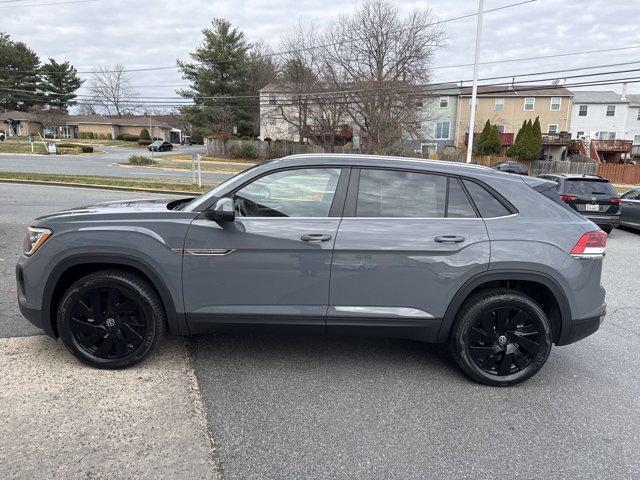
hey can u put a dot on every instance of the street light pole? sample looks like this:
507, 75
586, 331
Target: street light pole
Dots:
474, 89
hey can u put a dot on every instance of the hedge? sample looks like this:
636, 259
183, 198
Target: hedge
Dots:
82, 148
140, 160
128, 137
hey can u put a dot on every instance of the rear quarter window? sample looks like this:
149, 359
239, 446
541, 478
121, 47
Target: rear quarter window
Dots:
488, 205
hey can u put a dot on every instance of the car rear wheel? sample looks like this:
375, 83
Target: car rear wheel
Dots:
111, 319
501, 337
607, 230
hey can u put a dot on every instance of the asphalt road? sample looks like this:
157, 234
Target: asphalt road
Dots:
103, 164
352, 408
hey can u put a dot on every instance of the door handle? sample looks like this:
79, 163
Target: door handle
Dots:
449, 239
315, 237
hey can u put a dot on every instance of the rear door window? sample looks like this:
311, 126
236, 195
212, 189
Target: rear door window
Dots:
390, 193
488, 205
459, 205
588, 187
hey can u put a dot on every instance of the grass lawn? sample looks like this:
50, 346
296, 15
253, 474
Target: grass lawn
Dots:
95, 180
186, 158
15, 147
106, 143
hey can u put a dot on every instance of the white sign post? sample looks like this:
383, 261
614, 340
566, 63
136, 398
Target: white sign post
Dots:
199, 171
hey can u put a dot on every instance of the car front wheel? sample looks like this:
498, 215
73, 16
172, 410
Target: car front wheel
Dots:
501, 337
111, 319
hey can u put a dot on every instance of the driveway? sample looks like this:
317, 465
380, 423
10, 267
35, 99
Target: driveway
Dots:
102, 164
312, 407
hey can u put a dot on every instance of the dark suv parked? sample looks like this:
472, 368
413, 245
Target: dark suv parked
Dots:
340, 244
590, 195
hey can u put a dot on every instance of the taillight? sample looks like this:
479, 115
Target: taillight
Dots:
568, 198
591, 244
615, 201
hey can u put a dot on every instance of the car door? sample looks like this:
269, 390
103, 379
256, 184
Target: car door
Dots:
408, 241
271, 265
630, 208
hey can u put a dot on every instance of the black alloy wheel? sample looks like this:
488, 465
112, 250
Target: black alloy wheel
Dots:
500, 337
111, 319
108, 323
504, 340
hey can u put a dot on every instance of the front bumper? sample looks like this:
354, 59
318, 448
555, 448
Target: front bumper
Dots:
34, 314
582, 328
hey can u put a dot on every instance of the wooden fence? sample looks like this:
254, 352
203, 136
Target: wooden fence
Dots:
260, 148
618, 173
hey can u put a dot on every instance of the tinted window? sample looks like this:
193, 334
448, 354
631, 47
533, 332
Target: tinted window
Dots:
588, 187
632, 194
487, 204
387, 193
291, 193
459, 205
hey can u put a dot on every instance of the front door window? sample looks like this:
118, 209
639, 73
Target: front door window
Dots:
298, 193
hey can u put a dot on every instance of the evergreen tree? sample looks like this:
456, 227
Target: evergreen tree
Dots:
481, 140
537, 138
59, 83
145, 135
219, 68
517, 148
493, 143
19, 75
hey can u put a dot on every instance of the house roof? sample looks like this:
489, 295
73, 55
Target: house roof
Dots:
15, 115
597, 96
125, 120
634, 100
518, 90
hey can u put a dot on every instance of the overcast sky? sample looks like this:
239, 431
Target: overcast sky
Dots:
145, 33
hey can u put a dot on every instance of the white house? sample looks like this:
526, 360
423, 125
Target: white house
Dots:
633, 122
599, 115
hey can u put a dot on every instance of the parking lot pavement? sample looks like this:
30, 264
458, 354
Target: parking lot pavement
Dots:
64, 420
344, 408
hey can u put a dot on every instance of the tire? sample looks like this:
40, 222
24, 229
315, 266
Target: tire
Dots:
500, 337
607, 230
111, 319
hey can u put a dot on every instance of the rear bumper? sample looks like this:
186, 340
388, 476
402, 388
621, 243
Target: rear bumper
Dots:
605, 220
582, 328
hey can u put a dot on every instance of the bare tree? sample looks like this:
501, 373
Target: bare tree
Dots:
381, 59
111, 90
50, 117
303, 102
86, 109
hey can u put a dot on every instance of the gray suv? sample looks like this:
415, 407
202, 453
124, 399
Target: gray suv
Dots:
491, 263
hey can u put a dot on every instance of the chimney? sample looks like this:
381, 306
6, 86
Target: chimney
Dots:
623, 97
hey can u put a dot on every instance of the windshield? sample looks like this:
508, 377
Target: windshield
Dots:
589, 187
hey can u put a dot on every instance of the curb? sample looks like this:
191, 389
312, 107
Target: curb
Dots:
96, 187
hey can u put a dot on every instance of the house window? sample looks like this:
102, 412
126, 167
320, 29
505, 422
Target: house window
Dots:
500, 128
638, 117
611, 110
444, 102
552, 128
428, 148
606, 135
498, 104
272, 99
442, 130
580, 135
555, 103
636, 139
419, 104
529, 103
582, 111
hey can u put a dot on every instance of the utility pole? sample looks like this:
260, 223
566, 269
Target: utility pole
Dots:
474, 89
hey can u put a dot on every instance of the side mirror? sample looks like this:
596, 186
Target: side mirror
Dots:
223, 210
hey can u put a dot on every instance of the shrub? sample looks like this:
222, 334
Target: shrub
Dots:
128, 137
243, 151
86, 135
79, 146
140, 160
144, 143
144, 135
68, 150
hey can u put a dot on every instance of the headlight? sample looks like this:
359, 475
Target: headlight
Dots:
34, 239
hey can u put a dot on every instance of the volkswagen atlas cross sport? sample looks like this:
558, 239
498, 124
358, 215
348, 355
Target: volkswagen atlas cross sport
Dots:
491, 263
